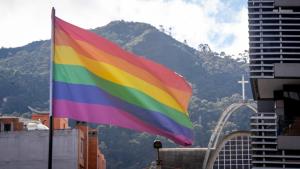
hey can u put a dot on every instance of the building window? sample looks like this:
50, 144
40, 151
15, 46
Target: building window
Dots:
7, 127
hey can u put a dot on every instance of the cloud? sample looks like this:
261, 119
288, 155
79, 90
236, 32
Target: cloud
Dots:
220, 23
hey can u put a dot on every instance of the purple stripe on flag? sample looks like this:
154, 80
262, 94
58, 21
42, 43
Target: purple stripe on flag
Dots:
109, 115
94, 95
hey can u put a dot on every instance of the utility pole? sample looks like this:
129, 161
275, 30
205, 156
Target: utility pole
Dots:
243, 82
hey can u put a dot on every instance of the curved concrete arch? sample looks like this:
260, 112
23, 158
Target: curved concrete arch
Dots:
226, 117
220, 125
214, 155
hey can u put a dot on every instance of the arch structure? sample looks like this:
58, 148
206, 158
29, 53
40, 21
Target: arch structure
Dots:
221, 145
214, 139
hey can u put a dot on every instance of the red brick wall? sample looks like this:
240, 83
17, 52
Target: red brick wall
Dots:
14, 121
96, 158
58, 123
93, 149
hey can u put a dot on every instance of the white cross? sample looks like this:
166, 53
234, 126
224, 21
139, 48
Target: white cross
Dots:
243, 82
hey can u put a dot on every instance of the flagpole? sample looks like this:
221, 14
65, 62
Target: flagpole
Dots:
50, 90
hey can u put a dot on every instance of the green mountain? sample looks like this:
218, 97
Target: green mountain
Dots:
24, 81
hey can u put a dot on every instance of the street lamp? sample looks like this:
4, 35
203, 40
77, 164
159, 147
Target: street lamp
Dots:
157, 145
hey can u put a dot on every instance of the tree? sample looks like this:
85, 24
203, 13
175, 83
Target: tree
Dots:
185, 41
161, 28
244, 56
222, 54
204, 48
170, 31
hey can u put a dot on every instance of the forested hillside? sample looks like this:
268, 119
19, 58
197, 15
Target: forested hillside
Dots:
24, 81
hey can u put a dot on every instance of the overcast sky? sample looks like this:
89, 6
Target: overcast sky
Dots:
220, 23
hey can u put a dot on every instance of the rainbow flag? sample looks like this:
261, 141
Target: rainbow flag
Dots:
96, 81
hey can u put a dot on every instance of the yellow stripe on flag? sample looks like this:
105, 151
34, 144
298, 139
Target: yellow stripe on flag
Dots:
67, 55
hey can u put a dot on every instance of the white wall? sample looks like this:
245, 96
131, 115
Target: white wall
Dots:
29, 149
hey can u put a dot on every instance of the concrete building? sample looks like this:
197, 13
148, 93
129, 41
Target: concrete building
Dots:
10, 123
274, 34
232, 152
182, 158
27, 148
